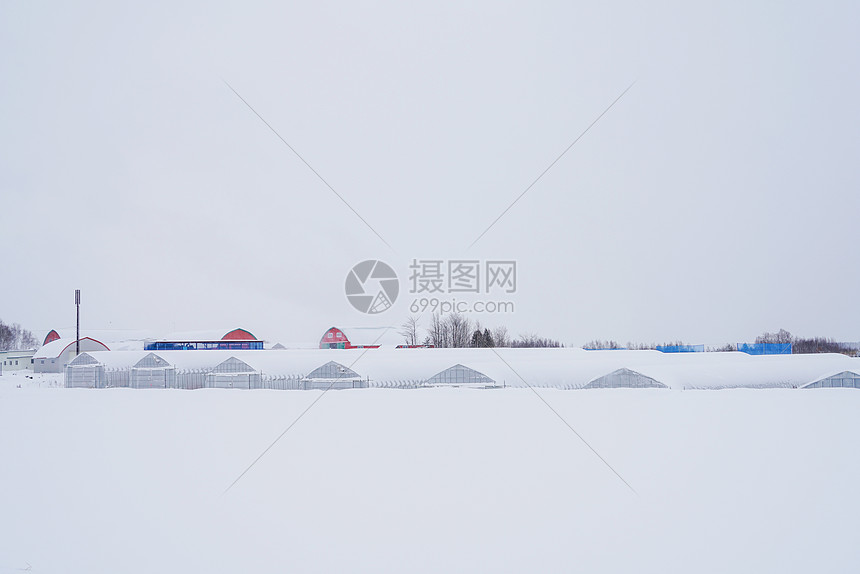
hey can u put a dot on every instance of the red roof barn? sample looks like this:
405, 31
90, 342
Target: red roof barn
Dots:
51, 336
239, 335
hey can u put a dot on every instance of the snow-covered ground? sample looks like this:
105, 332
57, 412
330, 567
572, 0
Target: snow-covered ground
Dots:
428, 480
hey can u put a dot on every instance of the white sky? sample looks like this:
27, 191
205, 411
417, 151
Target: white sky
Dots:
718, 198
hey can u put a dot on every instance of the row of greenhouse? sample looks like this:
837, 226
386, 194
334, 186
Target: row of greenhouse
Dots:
477, 368
154, 372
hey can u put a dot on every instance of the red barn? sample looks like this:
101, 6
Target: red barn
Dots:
360, 338
334, 338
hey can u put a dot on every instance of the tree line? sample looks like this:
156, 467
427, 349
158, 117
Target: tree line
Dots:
458, 331
799, 345
16, 337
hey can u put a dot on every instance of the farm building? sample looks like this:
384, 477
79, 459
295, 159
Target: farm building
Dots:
460, 376
152, 372
233, 374
624, 379
237, 339
332, 375
85, 371
51, 358
115, 339
360, 338
845, 379
51, 336
15, 360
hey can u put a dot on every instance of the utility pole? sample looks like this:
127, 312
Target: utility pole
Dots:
78, 323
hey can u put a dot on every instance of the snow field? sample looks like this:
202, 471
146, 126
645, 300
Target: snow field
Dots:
429, 480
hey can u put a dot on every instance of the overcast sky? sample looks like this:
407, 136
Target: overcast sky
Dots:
717, 199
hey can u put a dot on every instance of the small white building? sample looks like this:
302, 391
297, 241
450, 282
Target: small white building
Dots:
15, 360
51, 358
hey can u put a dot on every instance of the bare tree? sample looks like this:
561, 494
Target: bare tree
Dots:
459, 328
820, 345
409, 330
500, 336
597, 344
782, 336
7, 337
532, 340
28, 341
728, 347
437, 335
16, 337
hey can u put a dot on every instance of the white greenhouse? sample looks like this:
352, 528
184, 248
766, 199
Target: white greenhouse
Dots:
846, 379
413, 368
460, 376
85, 372
233, 374
152, 372
333, 375
624, 379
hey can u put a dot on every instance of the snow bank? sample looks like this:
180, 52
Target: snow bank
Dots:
432, 480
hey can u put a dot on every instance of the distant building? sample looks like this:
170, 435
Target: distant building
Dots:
152, 372
233, 373
460, 376
335, 338
333, 375
15, 360
845, 379
237, 339
360, 338
239, 335
84, 371
51, 358
51, 336
624, 379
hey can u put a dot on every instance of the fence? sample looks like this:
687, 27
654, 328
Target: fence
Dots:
765, 348
118, 377
681, 348
405, 384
